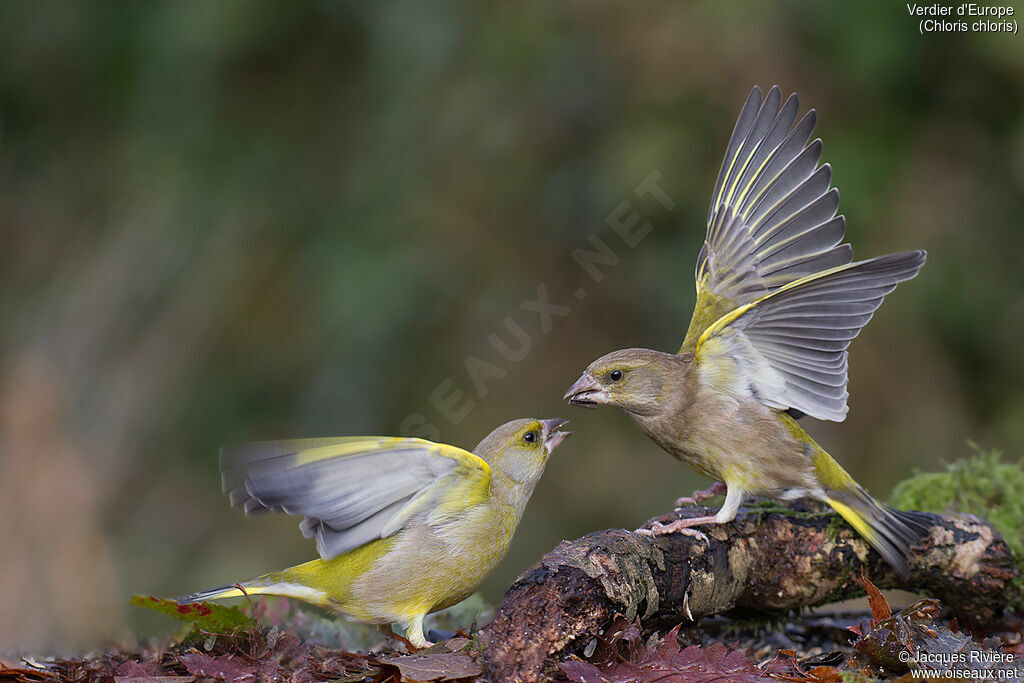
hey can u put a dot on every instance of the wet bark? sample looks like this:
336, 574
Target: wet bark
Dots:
768, 560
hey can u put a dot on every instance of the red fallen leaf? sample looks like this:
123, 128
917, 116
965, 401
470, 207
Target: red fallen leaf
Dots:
228, 667
664, 661
879, 605
582, 672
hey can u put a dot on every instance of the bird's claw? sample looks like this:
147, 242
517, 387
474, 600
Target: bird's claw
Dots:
698, 497
677, 527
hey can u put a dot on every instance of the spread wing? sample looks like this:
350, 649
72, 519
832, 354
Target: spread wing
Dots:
772, 218
353, 490
788, 348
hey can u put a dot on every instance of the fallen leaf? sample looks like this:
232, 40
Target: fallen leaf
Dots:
879, 605
22, 675
664, 661
206, 616
227, 667
444, 666
135, 669
826, 674
456, 644
582, 672
896, 644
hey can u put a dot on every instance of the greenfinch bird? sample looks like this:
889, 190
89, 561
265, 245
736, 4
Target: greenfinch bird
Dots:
779, 298
404, 527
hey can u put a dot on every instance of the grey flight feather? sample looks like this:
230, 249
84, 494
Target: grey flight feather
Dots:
772, 218
841, 301
792, 344
236, 461
349, 490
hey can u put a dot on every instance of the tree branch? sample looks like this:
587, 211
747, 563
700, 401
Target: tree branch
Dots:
770, 559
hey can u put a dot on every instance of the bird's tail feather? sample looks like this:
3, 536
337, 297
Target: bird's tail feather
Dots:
276, 583
231, 591
890, 531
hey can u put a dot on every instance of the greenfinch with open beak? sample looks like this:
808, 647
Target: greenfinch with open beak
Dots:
779, 298
404, 527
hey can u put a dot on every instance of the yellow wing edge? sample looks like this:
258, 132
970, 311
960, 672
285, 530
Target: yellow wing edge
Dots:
732, 315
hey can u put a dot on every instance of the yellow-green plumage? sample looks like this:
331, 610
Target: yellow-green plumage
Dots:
708, 309
779, 299
447, 517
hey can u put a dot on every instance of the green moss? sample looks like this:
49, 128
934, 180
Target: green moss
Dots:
982, 485
766, 506
835, 526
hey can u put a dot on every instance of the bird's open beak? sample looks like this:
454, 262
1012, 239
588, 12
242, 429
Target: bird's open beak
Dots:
553, 437
586, 392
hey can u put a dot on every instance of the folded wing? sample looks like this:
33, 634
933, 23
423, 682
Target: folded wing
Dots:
772, 218
788, 349
351, 490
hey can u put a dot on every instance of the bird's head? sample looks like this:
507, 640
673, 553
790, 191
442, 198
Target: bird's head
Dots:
520, 449
635, 380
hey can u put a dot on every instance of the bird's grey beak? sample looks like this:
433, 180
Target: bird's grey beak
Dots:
553, 437
586, 392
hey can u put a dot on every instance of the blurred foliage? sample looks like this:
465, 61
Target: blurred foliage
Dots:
241, 220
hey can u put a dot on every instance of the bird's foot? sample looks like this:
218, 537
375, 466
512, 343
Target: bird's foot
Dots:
412, 647
680, 526
698, 497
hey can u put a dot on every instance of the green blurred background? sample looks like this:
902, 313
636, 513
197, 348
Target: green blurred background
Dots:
225, 221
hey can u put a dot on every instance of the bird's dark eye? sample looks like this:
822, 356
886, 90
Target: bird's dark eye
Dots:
530, 437
615, 375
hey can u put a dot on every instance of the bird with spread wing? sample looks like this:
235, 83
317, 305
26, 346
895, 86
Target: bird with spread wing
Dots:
404, 527
779, 299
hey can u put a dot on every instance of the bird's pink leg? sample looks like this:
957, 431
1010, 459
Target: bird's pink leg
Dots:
680, 526
684, 523
697, 497
727, 513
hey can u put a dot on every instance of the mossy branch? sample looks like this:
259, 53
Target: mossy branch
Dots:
770, 559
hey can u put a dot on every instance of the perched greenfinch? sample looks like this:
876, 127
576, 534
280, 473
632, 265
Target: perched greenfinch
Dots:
404, 527
779, 298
